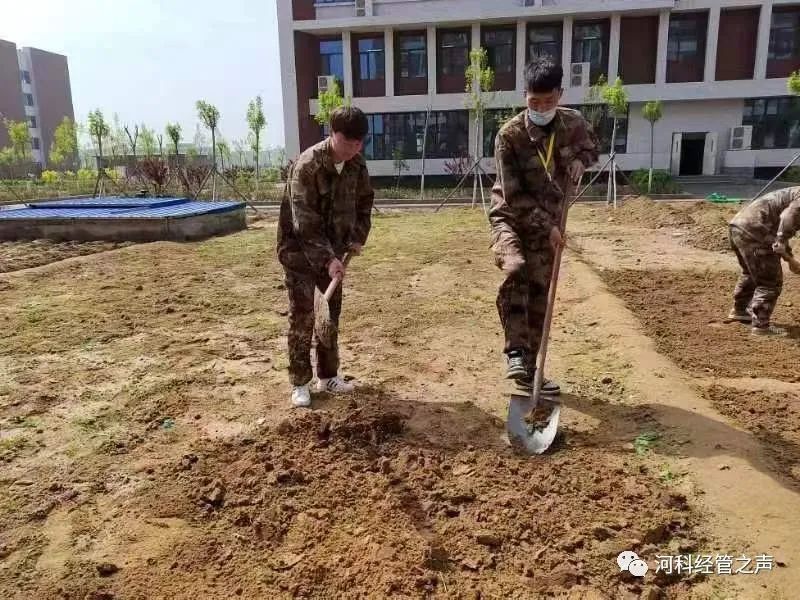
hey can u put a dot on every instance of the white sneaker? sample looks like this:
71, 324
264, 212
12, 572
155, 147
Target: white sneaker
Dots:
334, 385
301, 396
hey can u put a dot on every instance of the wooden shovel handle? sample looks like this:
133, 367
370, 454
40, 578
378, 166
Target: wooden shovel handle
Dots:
551, 300
336, 280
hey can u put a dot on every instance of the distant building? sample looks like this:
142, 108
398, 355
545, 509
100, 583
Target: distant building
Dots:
719, 66
34, 87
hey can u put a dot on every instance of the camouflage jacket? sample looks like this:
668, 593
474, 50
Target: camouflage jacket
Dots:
774, 213
524, 201
322, 211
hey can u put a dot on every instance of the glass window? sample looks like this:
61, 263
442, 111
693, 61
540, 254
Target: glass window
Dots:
453, 52
371, 58
775, 121
35, 143
28, 99
412, 56
448, 135
545, 40
331, 58
684, 41
500, 49
590, 44
26, 76
32, 122
784, 35
597, 115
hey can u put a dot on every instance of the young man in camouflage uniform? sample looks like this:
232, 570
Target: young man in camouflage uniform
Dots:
325, 213
759, 235
541, 155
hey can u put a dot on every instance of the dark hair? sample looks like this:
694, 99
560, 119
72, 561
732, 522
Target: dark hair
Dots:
542, 75
350, 122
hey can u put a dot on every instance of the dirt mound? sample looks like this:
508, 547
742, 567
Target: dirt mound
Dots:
706, 224
773, 417
352, 502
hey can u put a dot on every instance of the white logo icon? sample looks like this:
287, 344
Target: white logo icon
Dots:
630, 561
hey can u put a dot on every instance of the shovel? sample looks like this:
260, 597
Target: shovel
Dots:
536, 440
324, 327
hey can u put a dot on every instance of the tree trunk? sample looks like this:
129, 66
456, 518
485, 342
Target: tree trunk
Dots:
612, 171
213, 165
256, 159
477, 150
652, 141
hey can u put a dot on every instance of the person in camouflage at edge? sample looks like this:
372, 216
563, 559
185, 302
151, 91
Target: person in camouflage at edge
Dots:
759, 235
325, 212
525, 213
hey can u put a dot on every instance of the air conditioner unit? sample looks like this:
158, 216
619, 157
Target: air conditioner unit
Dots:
579, 74
364, 8
325, 83
741, 137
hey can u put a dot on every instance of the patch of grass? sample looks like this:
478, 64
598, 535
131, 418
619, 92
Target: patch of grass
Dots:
667, 476
33, 313
645, 442
10, 447
24, 422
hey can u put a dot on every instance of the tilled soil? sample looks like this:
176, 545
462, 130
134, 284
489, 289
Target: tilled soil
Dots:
706, 224
683, 311
773, 417
357, 501
15, 256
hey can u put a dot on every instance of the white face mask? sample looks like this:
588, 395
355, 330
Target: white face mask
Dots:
541, 119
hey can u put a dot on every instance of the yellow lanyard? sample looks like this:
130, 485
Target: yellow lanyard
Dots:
546, 162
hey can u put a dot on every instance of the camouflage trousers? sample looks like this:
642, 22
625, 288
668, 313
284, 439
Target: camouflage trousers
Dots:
761, 280
522, 299
301, 328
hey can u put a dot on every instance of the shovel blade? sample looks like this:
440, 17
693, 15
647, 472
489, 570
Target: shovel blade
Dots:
531, 440
324, 327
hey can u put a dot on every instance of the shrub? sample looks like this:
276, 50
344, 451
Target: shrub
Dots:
792, 175
86, 176
663, 183
50, 177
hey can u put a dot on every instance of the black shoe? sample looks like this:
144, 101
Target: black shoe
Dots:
549, 388
517, 366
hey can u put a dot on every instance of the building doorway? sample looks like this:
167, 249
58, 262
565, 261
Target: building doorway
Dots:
693, 154
692, 151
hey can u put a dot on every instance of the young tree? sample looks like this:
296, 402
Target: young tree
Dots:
209, 115
98, 130
479, 83
224, 152
132, 137
329, 100
256, 122
20, 138
148, 140
239, 146
400, 164
64, 148
173, 131
793, 84
616, 98
118, 140
652, 113
160, 138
